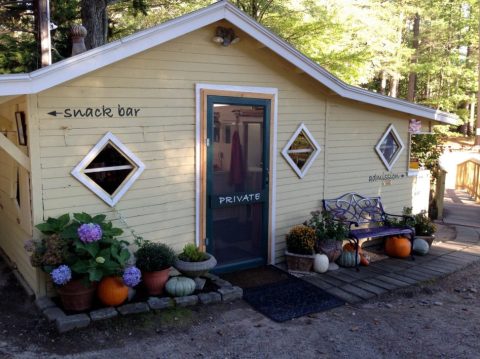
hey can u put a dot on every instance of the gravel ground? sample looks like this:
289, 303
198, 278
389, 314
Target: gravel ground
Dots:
438, 319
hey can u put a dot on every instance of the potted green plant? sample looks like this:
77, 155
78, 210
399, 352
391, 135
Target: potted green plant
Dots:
194, 263
79, 253
154, 260
424, 227
300, 242
329, 234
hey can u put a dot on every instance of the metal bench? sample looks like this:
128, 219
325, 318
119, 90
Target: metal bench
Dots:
367, 212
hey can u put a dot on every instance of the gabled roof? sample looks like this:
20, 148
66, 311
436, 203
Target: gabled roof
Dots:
65, 70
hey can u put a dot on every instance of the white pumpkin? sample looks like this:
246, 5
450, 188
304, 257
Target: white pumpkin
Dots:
320, 263
420, 246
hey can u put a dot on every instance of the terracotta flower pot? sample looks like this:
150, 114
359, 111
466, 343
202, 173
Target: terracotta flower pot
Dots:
155, 281
76, 295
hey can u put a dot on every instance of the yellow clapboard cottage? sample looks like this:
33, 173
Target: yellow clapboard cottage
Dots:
184, 140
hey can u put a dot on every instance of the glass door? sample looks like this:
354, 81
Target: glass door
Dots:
237, 181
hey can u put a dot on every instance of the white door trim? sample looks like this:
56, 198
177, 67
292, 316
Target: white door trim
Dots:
198, 141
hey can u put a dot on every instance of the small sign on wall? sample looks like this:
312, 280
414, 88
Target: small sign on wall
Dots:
95, 112
236, 199
386, 177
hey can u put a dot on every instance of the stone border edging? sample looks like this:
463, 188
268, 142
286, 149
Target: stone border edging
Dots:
226, 292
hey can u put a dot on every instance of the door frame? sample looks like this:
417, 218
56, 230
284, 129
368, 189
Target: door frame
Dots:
202, 91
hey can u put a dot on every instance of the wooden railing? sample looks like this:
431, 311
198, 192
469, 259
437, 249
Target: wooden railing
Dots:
468, 178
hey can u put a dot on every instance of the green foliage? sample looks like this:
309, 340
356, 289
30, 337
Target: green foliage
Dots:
427, 149
18, 53
151, 257
326, 228
62, 245
300, 240
191, 253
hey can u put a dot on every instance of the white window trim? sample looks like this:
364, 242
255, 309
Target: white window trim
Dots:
392, 129
316, 151
78, 171
273, 165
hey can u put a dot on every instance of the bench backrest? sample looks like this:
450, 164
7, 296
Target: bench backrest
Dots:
352, 207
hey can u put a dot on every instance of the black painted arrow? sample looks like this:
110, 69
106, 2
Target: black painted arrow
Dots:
55, 113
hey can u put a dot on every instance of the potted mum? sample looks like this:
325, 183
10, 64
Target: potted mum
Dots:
329, 234
80, 253
300, 243
194, 263
155, 261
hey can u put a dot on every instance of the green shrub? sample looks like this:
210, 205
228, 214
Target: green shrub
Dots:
301, 240
191, 253
151, 257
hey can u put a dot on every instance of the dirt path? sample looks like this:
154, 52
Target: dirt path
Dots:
433, 320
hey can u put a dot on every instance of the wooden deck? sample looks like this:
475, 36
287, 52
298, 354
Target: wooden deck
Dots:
447, 255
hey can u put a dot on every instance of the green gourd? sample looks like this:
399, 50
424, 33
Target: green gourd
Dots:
420, 246
347, 259
180, 286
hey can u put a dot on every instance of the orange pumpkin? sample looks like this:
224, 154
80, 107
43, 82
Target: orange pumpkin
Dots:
112, 291
398, 246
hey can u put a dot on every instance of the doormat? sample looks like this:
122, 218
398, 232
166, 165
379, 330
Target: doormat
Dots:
279, 295
290, 298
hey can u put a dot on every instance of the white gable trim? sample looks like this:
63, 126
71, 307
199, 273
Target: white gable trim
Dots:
92, 60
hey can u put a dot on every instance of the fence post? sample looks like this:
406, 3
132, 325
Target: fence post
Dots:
440, 192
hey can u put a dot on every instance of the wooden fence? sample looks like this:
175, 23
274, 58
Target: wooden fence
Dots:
468, 178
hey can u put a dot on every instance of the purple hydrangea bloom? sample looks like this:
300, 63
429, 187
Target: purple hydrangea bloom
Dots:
132, 276
89, 232
61, 275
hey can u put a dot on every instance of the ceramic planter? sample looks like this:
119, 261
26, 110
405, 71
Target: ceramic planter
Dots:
195, 269
76, 295
155, 281
428, 239
331, 248
299, 262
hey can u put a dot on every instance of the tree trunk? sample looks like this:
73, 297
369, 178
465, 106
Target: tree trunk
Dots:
94, 18
412, 77
394, 85
383, 83
42, 30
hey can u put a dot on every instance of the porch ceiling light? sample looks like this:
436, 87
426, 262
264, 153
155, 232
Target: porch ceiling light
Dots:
390, 147
109, 169
225, 36
301, 150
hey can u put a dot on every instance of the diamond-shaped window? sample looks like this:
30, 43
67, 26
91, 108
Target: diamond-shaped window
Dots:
389, 147
109, 169
301, 150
